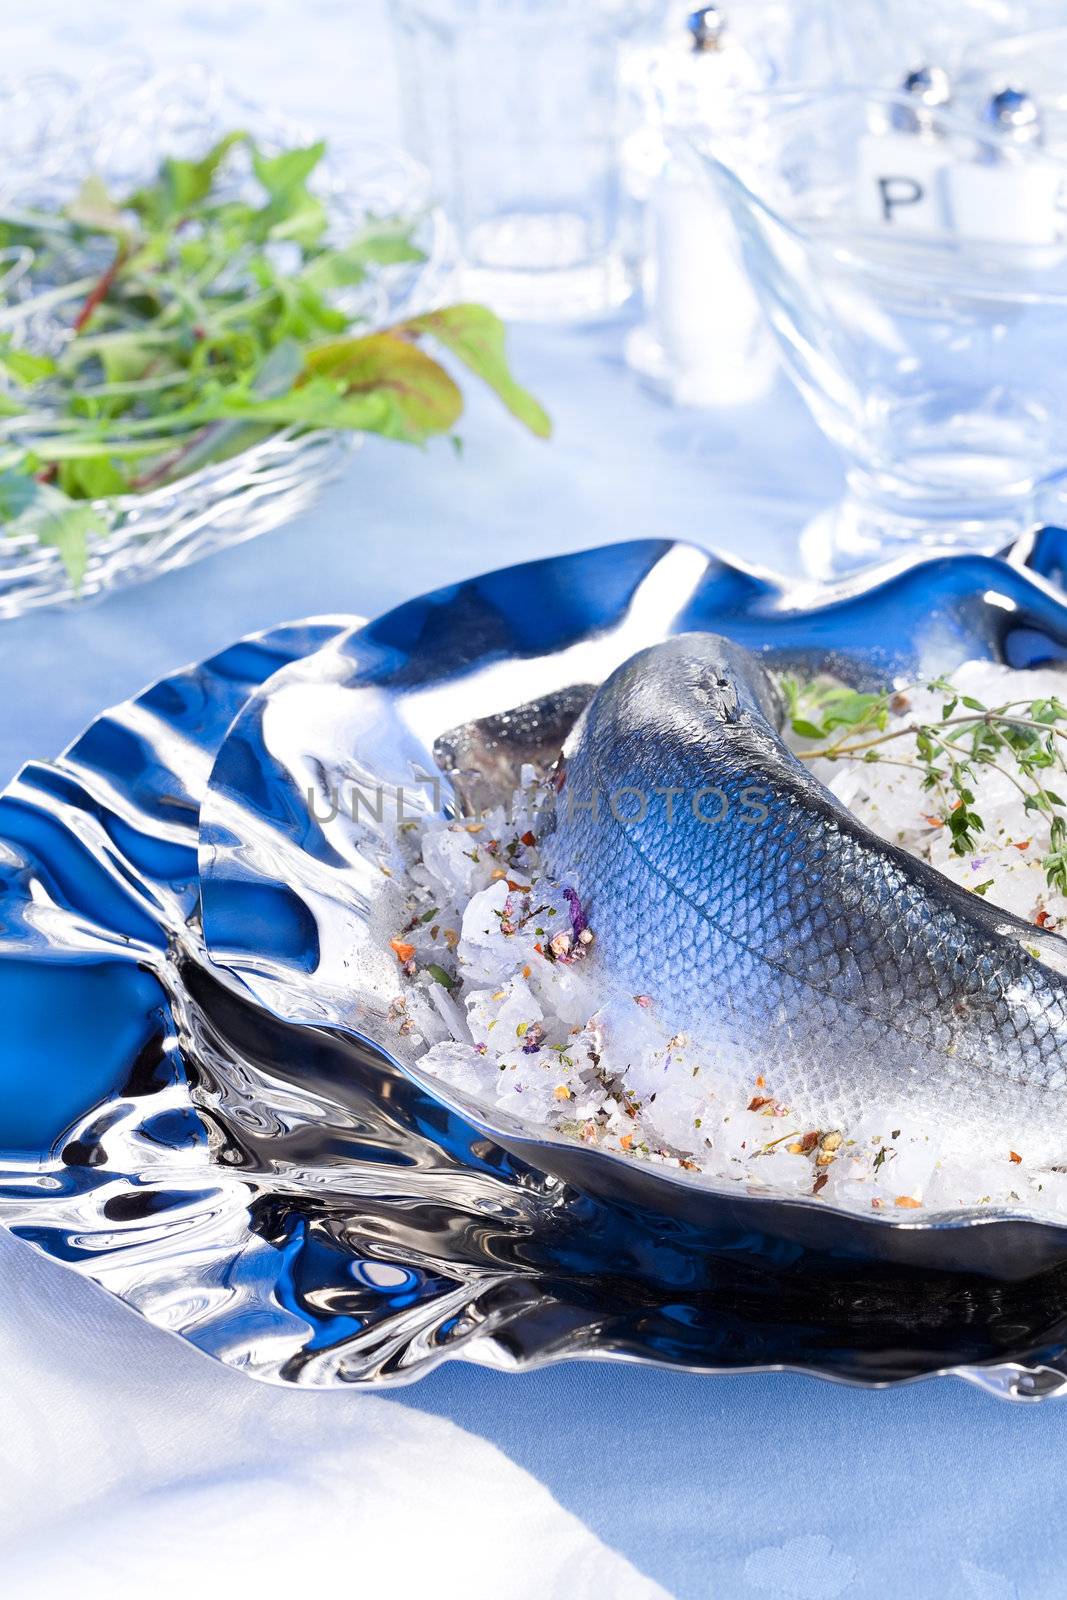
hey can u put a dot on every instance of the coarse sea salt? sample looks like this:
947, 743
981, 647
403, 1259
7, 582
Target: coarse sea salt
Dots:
505, 1003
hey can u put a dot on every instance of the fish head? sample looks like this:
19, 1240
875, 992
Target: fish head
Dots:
691, 680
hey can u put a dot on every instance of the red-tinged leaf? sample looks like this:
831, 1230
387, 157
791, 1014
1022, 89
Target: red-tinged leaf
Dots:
475, 336
425, 399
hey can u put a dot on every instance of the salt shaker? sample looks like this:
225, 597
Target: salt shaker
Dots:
704, 341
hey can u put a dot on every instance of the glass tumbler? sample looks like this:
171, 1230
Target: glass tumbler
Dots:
914, 270
515, 107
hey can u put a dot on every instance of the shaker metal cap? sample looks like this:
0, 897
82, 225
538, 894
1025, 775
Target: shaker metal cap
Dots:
706, 28
931, 86
928, 88
1015, 116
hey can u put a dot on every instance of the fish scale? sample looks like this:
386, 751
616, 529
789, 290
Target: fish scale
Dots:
783, 937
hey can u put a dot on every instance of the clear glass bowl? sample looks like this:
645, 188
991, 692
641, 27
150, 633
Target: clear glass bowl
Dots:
930, 353
55, 132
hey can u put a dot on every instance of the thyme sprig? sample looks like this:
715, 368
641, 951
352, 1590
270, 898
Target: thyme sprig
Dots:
1024, 740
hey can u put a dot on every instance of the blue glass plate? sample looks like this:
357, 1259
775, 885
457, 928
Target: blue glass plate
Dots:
277, 1190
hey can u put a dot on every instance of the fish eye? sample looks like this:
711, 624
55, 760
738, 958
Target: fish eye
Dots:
718, 693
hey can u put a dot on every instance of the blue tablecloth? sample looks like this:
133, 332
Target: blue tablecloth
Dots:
762, 1485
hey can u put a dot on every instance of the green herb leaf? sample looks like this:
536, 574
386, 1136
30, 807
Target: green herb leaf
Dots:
279, 371
385, 243
25, 367
950, 755
95, 478
182, 184
51, 518
282, 174
476, 336
68, 529
303, 220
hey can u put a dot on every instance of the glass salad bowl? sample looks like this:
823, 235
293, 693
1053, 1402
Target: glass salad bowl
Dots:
289, 1196
56, 132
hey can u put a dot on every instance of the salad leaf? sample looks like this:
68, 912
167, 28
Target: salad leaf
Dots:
24, 366
95, 478
386, 243
422, 398
182, 185
476, 335
197, 315
69, 528
282, 175
52, 518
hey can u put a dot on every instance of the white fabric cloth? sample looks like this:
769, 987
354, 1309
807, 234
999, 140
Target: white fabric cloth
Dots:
132, 1465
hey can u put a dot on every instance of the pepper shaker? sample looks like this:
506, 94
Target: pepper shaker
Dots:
901, 168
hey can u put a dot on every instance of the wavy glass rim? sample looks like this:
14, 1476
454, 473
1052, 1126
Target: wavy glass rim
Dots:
853, 246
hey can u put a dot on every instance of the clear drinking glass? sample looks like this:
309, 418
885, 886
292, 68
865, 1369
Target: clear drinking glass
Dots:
515, 107
929, 339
